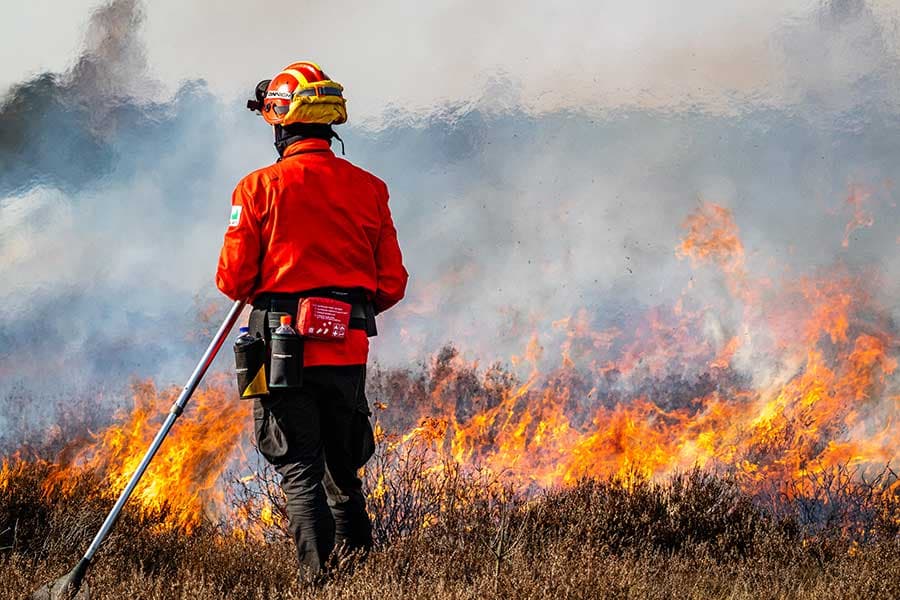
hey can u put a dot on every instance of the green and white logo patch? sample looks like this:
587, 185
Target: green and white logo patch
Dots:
235, 216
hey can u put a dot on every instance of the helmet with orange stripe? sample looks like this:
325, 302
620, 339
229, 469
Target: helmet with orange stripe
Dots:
300, 93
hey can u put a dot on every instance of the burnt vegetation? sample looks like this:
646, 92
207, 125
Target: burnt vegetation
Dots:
451, 535
446, 531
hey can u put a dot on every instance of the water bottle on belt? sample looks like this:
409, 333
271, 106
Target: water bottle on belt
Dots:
287, 357
250, 365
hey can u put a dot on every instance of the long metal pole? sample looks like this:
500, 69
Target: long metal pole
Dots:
174, 413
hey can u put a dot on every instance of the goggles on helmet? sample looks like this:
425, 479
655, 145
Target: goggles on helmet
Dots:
256, 103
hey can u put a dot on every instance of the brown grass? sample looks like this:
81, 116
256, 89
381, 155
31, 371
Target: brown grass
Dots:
451, 535
448, 533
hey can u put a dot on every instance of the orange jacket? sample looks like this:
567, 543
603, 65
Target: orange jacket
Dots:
313, 220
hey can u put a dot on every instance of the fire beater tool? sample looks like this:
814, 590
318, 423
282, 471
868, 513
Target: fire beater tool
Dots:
67, 587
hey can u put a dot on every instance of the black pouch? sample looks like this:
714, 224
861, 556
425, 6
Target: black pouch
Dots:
250, 368
287, 362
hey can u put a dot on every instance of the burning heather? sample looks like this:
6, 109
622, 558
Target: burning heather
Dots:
804, 387
187, 471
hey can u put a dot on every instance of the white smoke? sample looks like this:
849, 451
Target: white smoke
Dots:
541, 158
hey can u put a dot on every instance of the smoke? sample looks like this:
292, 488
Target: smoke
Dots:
60, 129
566, 55
512, 212
104, 244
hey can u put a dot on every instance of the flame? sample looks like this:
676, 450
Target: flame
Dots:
712, 236
803, 382
184, 476
825, 401
857, 201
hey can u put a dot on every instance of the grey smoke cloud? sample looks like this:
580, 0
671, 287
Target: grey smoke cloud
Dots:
60, 129
511, 215
570, 54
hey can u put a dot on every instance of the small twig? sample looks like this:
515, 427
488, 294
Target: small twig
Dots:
15, 532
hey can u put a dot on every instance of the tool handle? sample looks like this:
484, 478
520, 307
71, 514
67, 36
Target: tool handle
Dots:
214, 346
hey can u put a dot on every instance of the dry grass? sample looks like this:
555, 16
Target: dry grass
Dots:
443, 533
450, 535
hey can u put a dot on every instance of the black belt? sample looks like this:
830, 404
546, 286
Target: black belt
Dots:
362, 311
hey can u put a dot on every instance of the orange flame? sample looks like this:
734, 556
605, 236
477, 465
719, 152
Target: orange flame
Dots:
806, 382
184, 475
824, 403
857, 201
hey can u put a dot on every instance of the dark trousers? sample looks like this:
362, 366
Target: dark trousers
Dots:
317, 438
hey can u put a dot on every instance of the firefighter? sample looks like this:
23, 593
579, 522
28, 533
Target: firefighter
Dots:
314, 225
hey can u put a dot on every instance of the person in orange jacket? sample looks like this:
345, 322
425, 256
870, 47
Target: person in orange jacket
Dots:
314, 225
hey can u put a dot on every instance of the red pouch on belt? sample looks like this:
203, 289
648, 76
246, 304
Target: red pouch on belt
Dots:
323, 319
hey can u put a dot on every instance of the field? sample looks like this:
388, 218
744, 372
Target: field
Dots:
448, 535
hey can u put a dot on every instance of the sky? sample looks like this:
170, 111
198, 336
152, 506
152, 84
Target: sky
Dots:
541, 158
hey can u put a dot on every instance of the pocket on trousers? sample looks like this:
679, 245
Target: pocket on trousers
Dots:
363, 436
270, 439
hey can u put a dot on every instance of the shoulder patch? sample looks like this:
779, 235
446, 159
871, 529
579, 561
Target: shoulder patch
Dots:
235, 215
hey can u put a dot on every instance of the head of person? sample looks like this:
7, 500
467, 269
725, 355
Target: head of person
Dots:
300, 102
